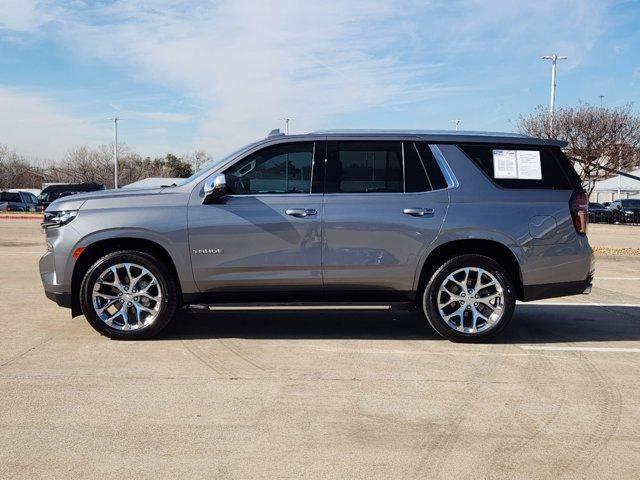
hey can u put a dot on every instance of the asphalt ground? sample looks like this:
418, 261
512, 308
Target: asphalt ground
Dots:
320, 395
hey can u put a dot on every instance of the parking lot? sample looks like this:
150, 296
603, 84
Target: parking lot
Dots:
321, 395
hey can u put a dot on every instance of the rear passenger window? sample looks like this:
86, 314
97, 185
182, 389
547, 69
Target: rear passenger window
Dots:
553, 175
415, 176
431, 166
364, 167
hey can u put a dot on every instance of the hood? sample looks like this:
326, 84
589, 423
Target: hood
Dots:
74, 202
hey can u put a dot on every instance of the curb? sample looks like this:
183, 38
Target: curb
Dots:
20, 217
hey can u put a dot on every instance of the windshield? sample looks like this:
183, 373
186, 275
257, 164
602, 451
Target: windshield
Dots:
46, 197
213, 163
630, 203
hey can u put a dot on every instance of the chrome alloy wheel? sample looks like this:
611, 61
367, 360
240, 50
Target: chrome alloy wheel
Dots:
471, 300
127, 296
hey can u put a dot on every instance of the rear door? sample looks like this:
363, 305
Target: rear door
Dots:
385, 202
265, 235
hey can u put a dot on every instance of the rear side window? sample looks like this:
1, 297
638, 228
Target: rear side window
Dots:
554, 176
415, 175
431, 165
364, 167
10, 197
381, 167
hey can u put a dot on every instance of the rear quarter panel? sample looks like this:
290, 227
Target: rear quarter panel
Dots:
535, 224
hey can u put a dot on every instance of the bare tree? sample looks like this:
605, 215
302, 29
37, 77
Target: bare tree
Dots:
15, 171
84, 164
600, 138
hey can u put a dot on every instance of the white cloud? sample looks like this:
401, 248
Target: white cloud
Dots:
165, 117
249, 63
24, 15
252, 63
36, 125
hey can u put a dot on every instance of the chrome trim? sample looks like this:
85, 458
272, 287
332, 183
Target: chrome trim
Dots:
449, 176
299, 307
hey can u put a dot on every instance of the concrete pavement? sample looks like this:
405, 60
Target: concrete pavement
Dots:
318, 395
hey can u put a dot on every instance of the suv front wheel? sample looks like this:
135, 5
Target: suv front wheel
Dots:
128, 295
469, 298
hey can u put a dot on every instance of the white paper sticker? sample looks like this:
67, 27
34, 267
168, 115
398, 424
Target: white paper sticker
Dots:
529, 167
504, 164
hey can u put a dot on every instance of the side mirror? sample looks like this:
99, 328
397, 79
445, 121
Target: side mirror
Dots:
214, 188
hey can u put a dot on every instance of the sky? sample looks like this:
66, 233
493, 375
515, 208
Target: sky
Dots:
214, 75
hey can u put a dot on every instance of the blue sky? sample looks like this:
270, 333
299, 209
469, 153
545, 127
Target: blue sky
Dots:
186, 75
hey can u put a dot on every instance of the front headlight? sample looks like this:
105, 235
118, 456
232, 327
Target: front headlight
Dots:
628, 212
58, 219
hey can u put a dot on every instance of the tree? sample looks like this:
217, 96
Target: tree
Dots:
175, 167
601, 138
15, 171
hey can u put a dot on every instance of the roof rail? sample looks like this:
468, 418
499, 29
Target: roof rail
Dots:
275, 133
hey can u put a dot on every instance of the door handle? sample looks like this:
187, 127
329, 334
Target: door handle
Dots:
300, 212
419, 212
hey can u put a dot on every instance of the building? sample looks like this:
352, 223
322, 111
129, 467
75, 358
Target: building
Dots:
607, 190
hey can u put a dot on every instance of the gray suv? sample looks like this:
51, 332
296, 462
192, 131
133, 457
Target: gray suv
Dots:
458, 225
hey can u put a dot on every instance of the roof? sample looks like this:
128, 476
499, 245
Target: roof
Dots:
626, 183
445, 136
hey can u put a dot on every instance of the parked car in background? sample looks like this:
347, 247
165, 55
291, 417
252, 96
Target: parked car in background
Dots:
55, 191
34, 191
626, 210
458, 226
18, 201
598, 213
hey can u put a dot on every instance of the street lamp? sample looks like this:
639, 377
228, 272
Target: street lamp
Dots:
115, 152
457, 123
286, 125
554, 60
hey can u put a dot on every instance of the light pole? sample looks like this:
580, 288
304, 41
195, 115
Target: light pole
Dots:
554, 60
619, 169
115, 152
457, 123
286, 125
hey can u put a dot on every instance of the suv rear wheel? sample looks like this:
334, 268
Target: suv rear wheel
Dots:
469, 298
128, 295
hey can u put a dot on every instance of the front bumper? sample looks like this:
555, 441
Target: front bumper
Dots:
56, 265
62, 299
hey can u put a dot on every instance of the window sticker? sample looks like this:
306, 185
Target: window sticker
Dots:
529, 167
505, 164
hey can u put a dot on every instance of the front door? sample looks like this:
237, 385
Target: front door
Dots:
265, 235
385, 202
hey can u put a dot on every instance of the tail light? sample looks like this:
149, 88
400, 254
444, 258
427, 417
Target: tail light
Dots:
579, 206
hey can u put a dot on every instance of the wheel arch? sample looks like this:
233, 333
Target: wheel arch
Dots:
102, 247
490, 248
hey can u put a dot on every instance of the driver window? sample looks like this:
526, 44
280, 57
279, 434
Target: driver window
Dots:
278, 169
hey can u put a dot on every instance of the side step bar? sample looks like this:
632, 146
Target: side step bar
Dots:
306, 306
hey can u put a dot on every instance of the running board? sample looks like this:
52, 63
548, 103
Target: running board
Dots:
224, 307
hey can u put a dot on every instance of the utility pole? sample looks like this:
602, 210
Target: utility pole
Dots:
286, 125
457, 123
619, 169
115, 151
552, 102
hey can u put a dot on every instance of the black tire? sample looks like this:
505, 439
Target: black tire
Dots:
166, 282
429, 297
